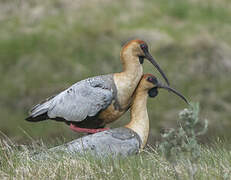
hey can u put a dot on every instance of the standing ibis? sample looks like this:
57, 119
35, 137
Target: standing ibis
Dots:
90, 104
124, 140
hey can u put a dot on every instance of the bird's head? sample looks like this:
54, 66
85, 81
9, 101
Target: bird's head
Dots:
139, 48
150, 84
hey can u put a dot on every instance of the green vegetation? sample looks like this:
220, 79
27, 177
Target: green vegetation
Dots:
183, 140
45, 46
213, 163
185, 159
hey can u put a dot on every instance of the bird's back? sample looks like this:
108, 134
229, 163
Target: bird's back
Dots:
83, 99
119, 141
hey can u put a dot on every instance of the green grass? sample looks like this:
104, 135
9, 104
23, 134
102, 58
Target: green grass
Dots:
177, 156
47, 46
17, 163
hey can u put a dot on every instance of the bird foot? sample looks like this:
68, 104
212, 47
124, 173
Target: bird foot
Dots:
86, 130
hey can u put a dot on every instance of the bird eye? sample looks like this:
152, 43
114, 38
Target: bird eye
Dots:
143, 46
152, 80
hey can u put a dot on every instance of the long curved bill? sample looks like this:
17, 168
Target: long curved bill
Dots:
152, 60
159, 85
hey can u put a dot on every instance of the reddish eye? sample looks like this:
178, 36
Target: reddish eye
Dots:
150, 79
143, 46
153, 80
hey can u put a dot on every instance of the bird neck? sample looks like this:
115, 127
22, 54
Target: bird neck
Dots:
127, 80
139, 116
130, 61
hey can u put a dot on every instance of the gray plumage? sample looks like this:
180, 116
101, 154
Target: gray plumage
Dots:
84, 98
119, 141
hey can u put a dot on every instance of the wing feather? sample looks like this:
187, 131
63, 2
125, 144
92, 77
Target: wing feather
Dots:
85, 98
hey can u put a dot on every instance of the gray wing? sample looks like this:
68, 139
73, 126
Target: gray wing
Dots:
85, 98
119, 141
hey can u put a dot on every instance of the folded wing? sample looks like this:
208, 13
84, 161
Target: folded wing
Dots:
85, 98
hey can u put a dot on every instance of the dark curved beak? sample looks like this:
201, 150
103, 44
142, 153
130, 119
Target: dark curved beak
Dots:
160, 85
149, 57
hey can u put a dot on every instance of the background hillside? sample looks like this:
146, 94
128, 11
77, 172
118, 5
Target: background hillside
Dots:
47, 46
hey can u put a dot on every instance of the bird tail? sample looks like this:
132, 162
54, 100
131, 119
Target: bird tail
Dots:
39, 112
38, 118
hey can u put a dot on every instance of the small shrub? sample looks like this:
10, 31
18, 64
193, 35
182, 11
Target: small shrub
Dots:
181, 143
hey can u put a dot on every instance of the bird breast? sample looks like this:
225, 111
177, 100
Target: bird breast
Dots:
112, 113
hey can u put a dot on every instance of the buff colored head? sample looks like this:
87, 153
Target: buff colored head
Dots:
150, 84
139, 48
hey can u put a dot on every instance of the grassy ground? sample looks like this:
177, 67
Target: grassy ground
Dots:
176, 156
47, 46
16, 163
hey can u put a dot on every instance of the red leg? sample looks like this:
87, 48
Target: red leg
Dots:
86, 130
